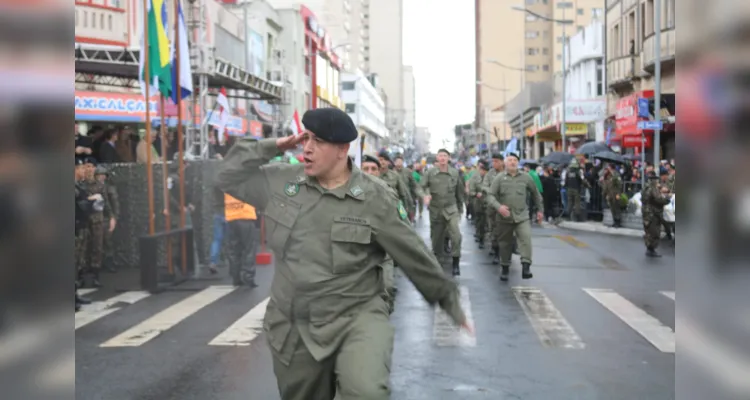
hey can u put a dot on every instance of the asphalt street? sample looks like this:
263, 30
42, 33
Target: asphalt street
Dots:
595, 322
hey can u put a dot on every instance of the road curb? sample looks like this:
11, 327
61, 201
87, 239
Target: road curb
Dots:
598, 228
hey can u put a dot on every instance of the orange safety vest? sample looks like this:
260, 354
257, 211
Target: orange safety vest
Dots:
235, 209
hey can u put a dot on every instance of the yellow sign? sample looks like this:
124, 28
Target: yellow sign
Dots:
576, 129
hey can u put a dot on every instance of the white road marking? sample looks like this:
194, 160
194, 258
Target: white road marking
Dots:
548, 323
244, 330
84, 292
99, 309
658, 334
61, 373
671, 295
444, 330
154, 326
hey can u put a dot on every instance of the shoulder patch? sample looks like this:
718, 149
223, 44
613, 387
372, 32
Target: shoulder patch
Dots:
356, 191
401, 210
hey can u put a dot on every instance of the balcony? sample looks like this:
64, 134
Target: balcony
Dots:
621, 70
667, 49
96, 22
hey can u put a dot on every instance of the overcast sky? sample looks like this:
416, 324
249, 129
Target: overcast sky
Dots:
439, 44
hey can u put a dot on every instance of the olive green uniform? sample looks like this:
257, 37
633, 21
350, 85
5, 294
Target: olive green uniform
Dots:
447, 192
414, 190
511, 190
612, 190
327, 322
489, 212
396, 182
475, 188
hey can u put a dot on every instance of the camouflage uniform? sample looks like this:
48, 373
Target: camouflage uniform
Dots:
653, 203
81, 234
612, 189
97, 228
113, 199
574, 185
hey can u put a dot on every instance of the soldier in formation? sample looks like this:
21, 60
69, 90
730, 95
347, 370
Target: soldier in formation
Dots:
411, 183
417, 174
498, 166
444, 195
507, 196
652, 206
394, 179
371, 166
476, 197
331, 227
612, 190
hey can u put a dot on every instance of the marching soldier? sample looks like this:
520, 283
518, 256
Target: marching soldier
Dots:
612, 192
102, 176
476, 196
417, 174
444, 196
331, 227
394, 180
498, 166
507, 195
652, 207
371, 166
414, 190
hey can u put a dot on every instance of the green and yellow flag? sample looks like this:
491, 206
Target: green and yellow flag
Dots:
159, 74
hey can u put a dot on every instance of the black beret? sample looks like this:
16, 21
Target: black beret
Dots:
498, 156
330, 124
398, 156
483, 164
372, 159
444, 151
512, 155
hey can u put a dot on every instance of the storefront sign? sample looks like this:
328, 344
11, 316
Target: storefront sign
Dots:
634, 141
585, 110
576, 129
113, 107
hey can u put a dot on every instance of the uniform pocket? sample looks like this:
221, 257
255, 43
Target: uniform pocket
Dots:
280, 218
276, 325
348, 246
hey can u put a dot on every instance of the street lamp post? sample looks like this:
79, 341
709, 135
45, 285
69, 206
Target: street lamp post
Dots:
564, 67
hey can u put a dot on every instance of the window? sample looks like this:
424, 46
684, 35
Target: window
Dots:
545, 51
531, 51
110, 22
531, 18
599, 77
350, 108
85, 19
532, 68
347, 85
565, 4
101, 21
93, 20
545, 67
597, 12
532, 34
588, 89
580, 11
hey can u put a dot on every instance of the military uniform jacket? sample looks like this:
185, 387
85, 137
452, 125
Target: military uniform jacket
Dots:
487, 182
446, 189
328, 246
96, 187
652, 201
411, 183
475, 187
613, 185
511, 191
394, 180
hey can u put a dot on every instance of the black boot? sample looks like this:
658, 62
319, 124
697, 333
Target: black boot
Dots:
82, 300
526, 271
95, 278
495, 255
456, 269
651, 252
504, 273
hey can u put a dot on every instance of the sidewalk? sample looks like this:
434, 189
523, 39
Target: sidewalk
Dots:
598, 227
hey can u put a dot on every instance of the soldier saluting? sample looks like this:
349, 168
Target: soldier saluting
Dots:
330, 227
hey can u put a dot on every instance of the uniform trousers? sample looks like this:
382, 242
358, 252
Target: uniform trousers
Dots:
505, 231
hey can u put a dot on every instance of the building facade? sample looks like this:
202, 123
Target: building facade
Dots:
631, 58
410, 106
366, 108
422, 140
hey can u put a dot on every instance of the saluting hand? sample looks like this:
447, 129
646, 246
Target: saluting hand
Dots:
289, 142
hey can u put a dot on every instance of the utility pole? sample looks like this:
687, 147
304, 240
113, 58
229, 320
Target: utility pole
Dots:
657, 79
563, 127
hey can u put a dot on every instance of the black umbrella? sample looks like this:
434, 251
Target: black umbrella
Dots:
557, 157
530, 163
592, 148
610, 156
631, 157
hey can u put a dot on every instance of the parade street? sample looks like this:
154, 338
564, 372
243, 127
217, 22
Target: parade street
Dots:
595, 322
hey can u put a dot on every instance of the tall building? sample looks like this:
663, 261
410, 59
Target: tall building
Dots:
421, 140
410, 105
384, 57
527, 42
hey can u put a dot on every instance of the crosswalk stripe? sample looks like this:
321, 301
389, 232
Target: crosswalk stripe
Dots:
244, 330
154, 326
99, 309
84, 292
444, 330
671, 295
548, 323
658, 334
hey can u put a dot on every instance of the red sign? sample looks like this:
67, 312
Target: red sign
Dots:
626, 117
634, 141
